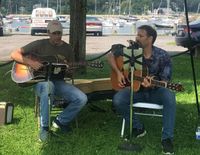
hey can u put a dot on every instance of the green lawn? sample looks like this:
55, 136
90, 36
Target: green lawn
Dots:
98, 132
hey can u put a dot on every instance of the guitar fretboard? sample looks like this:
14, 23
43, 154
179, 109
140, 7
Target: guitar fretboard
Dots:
158, 83
153, 82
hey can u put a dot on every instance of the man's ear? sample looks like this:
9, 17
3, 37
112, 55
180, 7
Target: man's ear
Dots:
151, 39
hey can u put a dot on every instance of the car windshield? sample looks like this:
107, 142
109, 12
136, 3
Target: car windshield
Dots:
1, 21
92, 18
195, 22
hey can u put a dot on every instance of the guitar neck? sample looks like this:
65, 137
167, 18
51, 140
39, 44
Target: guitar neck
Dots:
95, 64
153, 82
77, 64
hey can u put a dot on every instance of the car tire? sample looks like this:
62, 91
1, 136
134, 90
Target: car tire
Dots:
95, 33
1, 32
100, 33
197, 51
32, 32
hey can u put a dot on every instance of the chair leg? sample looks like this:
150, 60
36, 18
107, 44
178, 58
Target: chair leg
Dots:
36, 105
37, 112
123, 127
76, 121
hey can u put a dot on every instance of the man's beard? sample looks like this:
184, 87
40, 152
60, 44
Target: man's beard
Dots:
57, 43
139, 44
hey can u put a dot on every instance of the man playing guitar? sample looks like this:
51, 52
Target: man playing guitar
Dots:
159, 67
52, 50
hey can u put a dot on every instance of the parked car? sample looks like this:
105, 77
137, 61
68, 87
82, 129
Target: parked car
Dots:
62, 19
182, 38
40, 18
94, 25
1, 25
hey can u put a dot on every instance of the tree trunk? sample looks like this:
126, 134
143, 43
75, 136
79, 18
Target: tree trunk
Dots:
78, 29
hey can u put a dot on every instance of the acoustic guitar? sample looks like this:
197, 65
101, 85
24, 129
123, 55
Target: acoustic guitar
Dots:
138, 78
24, 74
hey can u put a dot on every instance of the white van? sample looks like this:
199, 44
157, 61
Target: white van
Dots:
40, 18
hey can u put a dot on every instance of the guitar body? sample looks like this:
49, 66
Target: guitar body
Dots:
126, 72
138, 78
21, 73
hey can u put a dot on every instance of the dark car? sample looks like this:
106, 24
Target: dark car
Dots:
94, 26
1, 25
182, 38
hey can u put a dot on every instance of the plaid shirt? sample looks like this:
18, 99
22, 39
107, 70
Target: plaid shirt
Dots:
159, 64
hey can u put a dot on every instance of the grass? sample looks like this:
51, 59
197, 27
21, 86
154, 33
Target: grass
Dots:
98, 132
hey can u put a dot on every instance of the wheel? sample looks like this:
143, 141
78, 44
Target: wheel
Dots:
197, 51
95, 33
100, 33
32, 32
1, 31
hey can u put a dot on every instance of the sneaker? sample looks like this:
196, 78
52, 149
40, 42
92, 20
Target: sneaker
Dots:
44, 132
137, 133
56, 124
167, 146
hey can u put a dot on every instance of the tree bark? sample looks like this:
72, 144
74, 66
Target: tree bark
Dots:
78, 28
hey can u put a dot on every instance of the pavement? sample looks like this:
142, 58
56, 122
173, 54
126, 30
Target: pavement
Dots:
94, 44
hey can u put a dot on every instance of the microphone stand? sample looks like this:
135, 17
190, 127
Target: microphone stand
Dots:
193, 68
49, 70
48, 77
129, 145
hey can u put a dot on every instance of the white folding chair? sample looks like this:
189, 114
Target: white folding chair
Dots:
146, 109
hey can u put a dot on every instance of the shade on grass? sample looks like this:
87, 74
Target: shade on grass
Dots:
98, 132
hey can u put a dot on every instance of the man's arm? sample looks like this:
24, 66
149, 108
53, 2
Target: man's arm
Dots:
166, 69
18, 56
120, 76
164, 74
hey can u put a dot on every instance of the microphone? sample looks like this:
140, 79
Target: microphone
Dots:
133, 44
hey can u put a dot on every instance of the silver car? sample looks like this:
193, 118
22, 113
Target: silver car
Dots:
1, 25
94, 26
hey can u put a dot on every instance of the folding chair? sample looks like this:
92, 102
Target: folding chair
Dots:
145, 109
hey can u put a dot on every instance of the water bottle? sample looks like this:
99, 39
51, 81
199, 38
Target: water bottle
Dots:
198, 133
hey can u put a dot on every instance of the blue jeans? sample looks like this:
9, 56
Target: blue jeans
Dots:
161, 96
76, 99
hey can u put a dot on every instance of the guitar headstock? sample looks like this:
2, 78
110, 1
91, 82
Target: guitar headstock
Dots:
96, 64
175, 86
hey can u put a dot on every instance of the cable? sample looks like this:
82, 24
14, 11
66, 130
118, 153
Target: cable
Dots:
178, 54
7, 63
191, 57
100, 55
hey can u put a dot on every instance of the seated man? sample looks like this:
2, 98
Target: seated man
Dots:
159, 66
52, 50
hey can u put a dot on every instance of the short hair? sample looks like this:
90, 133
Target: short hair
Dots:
150, 31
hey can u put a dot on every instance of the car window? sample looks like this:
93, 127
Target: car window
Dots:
195, 22
1, 21
92, 19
